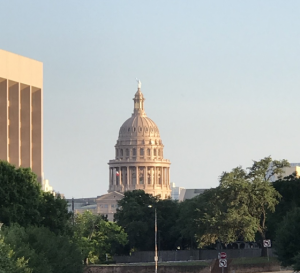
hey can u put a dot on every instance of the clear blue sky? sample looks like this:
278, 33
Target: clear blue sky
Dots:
220, 78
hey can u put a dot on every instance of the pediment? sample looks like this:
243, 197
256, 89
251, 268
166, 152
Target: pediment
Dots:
111, 196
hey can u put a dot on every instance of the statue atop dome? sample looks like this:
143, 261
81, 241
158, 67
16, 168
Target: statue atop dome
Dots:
139, 83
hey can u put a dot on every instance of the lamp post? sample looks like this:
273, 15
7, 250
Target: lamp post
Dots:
155, 238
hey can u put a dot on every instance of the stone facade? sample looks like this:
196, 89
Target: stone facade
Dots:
107, 204
139, 163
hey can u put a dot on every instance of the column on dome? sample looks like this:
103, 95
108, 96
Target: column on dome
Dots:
112, 175
162, 176
109, 176
124, 176
145, 175
127, 171
130, 177
151, 175
120, 175
136, 175
133, 177
141, 175
169, 176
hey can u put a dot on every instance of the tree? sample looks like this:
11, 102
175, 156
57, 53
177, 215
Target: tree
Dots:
44, 251
185, 223
137, 219
97, 237
20, 195
136, 214
54, 214
167, 216
287, 243
10, 264
289, 188
238, 208
22, 201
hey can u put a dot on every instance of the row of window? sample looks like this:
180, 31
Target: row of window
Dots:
107, 206
120, 152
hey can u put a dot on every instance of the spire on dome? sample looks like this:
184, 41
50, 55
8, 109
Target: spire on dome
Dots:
139, 101
139, 83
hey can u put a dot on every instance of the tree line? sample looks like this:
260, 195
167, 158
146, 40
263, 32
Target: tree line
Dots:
245, 206
40, 235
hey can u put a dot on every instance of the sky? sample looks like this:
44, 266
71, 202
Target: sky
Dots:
220, 78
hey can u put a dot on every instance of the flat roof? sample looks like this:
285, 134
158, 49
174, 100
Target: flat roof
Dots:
21, 69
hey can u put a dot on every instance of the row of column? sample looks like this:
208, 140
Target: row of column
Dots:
139, 175
21, 125
140, 152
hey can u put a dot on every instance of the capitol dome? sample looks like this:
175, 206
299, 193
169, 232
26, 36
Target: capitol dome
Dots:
139, 162
138, 125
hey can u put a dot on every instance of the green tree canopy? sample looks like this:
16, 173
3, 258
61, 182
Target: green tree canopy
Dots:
136, 215
287, 243
185, 223
9, 263
289, 188
44, 251
54, 214
20, 195
97, 237
137, 219
238, 208
23, 202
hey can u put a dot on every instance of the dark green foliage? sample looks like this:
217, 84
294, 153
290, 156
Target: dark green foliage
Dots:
287, 243
167, 216
185, 225
97, 237
289, 188
45, 251
55, 215
23, 202
238, 208
9, 263
137, 218
20, 196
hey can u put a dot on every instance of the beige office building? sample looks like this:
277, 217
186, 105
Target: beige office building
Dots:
139, 161
21, 111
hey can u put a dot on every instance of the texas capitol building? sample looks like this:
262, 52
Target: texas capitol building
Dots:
139, 162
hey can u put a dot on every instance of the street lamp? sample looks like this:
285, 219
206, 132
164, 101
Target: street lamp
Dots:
155, 238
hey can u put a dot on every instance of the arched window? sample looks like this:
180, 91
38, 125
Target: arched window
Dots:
142, 152
154, 152
148, 152
134, 152
127, 152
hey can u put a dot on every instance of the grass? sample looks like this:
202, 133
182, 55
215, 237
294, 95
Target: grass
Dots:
255, 260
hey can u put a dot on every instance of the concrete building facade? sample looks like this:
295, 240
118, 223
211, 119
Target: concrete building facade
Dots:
139, 161
21, 112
